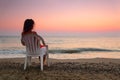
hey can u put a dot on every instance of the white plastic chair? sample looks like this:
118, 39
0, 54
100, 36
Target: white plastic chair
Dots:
32, 43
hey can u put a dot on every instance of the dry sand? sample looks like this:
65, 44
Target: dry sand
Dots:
74, 69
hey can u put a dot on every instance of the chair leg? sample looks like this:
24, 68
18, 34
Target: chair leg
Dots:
29, 60
47, 56
25, 64
41, 63
48, 60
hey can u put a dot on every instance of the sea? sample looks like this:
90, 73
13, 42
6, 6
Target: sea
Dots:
65, 47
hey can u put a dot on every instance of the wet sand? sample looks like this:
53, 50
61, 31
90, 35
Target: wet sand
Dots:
61, 69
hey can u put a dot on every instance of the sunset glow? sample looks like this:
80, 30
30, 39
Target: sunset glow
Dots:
60, 15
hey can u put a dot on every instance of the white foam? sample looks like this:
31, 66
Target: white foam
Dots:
115, 55
12, 55
88, 55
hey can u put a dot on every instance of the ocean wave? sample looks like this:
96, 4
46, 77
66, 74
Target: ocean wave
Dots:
80, 50
12, 51
57, 51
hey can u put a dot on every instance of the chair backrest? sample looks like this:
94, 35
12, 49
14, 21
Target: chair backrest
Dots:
32, 44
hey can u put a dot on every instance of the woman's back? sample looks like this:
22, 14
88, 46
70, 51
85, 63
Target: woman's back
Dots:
31, 42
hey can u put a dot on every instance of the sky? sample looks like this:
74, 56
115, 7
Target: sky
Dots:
61, 16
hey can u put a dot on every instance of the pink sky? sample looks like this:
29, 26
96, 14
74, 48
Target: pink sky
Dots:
60, 15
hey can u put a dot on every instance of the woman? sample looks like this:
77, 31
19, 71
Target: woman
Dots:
28, 29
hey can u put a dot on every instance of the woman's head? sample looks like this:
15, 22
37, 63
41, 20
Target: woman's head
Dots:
28, 25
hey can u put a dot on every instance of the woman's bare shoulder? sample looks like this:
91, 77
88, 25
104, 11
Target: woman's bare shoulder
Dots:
33, 32
24, 33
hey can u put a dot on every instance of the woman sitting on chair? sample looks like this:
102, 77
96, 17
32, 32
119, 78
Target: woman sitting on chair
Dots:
28, 29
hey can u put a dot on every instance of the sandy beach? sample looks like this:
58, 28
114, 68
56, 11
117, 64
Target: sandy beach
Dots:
61, 69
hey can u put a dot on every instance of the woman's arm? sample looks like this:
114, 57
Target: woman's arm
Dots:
43, 42
22, 40
22, 43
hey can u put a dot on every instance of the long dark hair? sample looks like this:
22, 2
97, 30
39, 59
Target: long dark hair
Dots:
28, 25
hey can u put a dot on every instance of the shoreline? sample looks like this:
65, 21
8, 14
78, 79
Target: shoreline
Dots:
52, 61
93, 60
